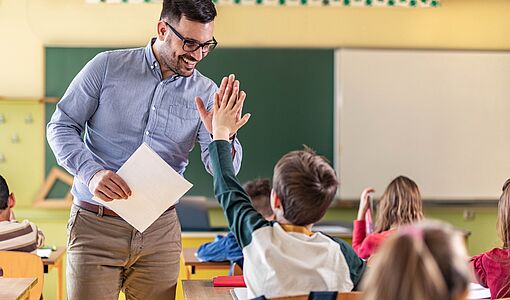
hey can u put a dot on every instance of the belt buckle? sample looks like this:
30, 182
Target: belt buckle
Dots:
100, 210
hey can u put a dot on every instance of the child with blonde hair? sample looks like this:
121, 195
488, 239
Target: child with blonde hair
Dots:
399, 205
492, 268
421, 262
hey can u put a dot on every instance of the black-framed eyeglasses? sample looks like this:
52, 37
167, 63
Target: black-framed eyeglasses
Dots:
192, 45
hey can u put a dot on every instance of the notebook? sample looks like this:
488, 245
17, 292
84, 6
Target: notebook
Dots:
477, 291
239, 293
233, 281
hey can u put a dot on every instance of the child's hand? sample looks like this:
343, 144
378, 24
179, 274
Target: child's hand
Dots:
226, 118
364, 203
224, 92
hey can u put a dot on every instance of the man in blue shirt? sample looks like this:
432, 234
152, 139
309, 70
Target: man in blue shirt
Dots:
120, 100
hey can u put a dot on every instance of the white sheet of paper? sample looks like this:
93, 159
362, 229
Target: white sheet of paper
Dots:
477, 291
239, 293
155, 186
43, 253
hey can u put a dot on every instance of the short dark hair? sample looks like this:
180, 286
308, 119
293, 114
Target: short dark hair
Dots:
4, 193
306, 185
259, 191
202, 11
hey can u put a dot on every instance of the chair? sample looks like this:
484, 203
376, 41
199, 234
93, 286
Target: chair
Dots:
236, 270
23, 265
193, 214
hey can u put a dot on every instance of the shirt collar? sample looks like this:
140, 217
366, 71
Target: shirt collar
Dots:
149, 54
296, 228
153, 63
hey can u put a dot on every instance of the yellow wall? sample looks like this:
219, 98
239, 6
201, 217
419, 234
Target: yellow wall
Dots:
27, 25
22, 167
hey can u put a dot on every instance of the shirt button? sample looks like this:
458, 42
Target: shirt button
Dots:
147, 132
153, 107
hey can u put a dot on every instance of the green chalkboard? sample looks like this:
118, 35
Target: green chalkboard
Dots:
290, 96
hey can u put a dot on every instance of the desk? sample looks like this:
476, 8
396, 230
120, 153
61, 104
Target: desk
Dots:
192, 263
334, 230
56, 260
203, 289
16, 288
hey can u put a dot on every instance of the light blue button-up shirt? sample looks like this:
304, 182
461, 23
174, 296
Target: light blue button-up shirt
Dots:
120, 100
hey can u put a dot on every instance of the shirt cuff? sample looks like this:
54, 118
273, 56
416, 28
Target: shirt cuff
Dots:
87, 171
230, 139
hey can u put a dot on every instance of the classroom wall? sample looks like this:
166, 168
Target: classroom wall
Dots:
26, 26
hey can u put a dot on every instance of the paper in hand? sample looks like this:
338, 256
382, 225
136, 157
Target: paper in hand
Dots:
155, 186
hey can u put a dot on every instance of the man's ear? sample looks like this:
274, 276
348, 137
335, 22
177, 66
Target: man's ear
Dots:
162, 30
11, 201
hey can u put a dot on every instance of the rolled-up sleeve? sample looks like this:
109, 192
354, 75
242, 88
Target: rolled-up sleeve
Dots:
72, 113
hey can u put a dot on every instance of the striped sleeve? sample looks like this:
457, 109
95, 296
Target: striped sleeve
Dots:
19, 236
242, 218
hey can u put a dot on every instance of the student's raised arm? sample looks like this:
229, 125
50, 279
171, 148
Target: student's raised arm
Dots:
242, 218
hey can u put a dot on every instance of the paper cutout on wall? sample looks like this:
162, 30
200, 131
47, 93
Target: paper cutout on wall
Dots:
355, 3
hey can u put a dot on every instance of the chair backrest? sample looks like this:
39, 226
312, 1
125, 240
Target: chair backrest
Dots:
339, 296
193, 214
23, 265
236, 270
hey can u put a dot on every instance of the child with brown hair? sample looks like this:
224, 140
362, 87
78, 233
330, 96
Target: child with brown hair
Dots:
399, 205
282, 257
492, 268
420, 262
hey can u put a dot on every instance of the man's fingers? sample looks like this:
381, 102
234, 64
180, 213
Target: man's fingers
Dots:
115, 191
107, 192
238, 107
123, 185
103, 196
201, 107
216, 102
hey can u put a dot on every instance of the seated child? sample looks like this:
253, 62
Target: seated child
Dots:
16, 236
400, 204
492, 268
282, 257
226, 248
420, 262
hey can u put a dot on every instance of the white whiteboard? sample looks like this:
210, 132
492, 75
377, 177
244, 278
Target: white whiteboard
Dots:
440, 117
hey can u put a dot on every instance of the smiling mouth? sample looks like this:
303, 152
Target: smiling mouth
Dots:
189, 63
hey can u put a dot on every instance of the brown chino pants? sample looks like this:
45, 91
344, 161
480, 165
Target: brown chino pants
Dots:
106, 254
